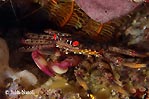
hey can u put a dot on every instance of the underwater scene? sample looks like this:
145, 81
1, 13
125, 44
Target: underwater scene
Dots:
74, 49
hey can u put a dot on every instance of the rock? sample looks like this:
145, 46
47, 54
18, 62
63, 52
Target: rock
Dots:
25, 77
5, 70
105, 10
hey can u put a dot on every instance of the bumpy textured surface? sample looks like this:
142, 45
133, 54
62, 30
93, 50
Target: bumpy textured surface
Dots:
105, 10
